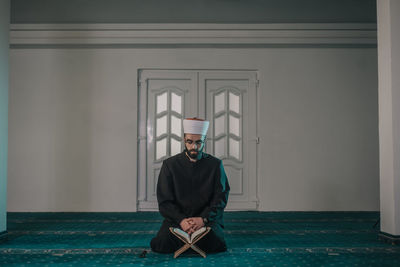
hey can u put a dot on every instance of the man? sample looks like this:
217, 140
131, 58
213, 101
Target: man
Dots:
192, 192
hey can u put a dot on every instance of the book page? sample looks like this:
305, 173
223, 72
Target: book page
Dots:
182, 234
197, 233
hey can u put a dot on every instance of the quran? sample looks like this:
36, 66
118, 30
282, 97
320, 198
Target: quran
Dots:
189, 240
192, 237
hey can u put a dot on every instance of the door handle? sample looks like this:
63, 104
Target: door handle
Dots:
257, 140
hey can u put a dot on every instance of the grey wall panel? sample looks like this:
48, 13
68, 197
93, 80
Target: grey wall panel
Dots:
193, 11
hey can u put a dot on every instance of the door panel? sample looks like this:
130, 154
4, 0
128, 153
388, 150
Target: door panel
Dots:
227, 109
168, 97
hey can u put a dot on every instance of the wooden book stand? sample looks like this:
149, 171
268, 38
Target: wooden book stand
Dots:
188, 244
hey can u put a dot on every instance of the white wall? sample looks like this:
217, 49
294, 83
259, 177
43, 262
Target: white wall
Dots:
73, 125
319, 148
389, 119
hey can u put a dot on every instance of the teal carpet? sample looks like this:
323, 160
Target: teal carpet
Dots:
253, 238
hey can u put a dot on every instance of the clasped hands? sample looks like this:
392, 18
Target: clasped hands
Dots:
190, 225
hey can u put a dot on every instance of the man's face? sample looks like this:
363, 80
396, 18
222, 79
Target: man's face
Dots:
194, 144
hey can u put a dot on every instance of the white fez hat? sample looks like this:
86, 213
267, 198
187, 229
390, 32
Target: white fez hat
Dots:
195, 126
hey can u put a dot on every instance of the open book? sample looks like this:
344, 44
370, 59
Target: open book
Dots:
190, 238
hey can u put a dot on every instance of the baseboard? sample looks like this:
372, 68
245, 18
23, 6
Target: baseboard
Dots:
388, 238
3, 236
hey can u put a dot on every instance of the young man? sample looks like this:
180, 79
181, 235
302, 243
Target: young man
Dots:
192, 192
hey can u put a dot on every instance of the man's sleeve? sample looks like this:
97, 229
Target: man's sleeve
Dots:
166, 196
220, 198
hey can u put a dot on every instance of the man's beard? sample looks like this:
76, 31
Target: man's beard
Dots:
192, 155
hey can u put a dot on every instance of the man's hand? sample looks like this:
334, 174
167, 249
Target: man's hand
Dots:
186, 226
196, 223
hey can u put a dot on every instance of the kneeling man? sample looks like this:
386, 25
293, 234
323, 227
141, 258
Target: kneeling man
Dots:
192, 192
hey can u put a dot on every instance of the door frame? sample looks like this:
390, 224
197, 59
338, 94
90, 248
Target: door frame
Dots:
252, 141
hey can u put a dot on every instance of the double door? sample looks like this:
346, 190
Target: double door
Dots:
225, 98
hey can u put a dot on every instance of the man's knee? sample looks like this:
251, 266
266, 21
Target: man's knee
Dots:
160, 246
212, 243
163, 244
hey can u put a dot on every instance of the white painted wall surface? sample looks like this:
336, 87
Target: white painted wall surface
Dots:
389, 110
73, 125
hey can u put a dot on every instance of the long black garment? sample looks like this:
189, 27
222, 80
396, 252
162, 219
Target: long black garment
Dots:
191, 189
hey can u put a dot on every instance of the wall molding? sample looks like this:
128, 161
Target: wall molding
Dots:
194, 34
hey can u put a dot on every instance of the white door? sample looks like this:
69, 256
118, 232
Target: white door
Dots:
231, 109
227, 99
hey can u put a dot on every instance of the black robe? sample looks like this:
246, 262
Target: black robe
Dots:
191, 189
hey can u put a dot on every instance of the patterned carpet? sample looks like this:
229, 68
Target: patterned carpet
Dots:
253, 238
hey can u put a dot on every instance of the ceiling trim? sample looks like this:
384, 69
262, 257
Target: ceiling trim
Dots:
193, 34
